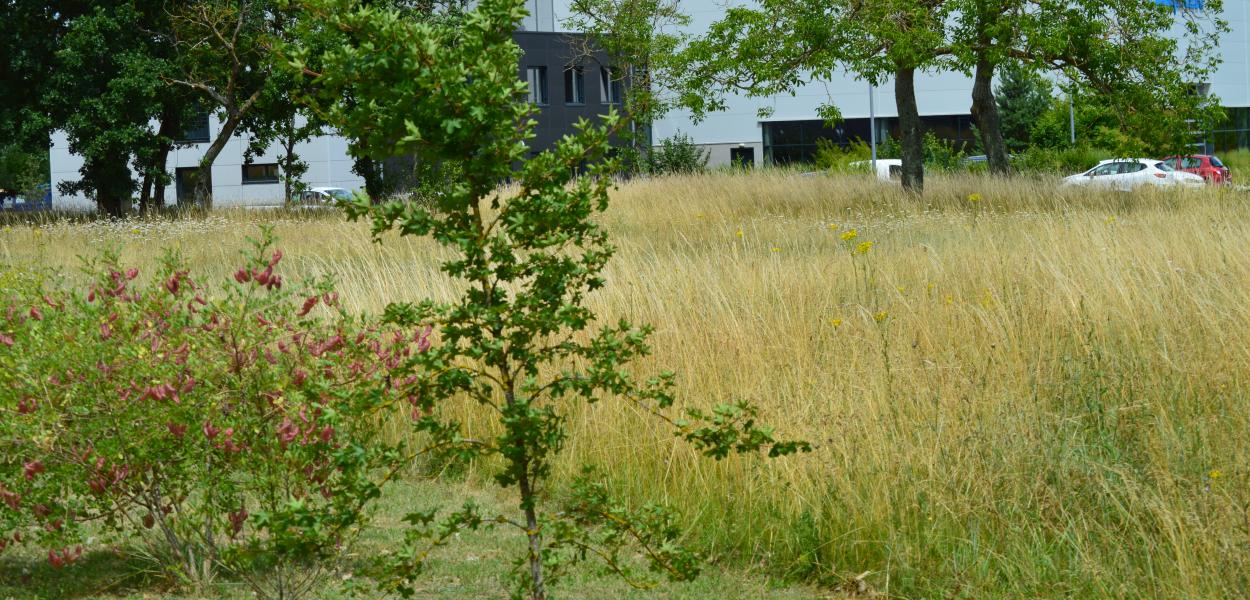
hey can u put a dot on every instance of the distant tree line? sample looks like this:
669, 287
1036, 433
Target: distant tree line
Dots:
124, 79
1118, 56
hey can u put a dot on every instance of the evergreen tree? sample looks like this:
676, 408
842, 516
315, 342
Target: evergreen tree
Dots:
1022, 97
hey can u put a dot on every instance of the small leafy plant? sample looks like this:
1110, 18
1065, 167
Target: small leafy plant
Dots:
521, 341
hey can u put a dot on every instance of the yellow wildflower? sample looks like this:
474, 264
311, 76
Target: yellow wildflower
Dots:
833, 227
836, 323
1111, 219
974, 197
881, 316
863, 248
1215, 474
739, 233
776, 249
849, 235
949, 299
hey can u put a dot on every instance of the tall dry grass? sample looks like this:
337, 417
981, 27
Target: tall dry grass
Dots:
1029, 394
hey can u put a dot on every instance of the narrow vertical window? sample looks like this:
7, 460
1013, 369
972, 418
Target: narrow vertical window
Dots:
537, 79
609, 86
574, 85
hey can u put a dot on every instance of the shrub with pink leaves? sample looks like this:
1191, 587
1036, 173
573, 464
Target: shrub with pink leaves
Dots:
234, 425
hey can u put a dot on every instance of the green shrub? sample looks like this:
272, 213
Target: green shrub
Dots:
227, 432
833, 157
941, 154
676, 155
1063, 161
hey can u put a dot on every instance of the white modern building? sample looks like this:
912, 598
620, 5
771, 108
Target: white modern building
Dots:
944, 99
235, 183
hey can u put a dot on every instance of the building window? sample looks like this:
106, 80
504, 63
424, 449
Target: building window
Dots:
609, 86
537, 79
196, 129
574, 85
266, 173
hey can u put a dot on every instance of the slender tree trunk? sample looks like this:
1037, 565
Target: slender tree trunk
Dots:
538, 589
985, 113
204, 180
171, 123
288, 145
145, 195
912, 129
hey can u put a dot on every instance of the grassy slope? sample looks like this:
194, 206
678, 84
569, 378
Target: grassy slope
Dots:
1054, 404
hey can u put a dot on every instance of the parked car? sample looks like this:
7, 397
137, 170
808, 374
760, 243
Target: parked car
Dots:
888, 169
1207, 166
328, 196
1129, 173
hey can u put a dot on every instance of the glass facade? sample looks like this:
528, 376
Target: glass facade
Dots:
787, 142
1233, 133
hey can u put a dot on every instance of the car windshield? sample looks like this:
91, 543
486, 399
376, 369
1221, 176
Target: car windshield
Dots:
339, 194
1164, 167
1215, 162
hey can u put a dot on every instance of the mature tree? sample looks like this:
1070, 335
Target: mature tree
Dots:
778, 45
104, 91
1122, 50
279, 119
985, 33
28, 43
225, 56
1022, 98
1125, 52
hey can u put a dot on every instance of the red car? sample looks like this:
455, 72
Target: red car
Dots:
1206, 165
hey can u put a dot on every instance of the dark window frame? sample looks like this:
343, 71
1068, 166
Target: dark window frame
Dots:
575, 85
276, 178
201, 134
610, 87
538, 73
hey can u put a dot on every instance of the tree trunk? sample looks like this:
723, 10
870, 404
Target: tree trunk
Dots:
111, 205
370, 170
985, 114
912, 129
204, 180
287, 160
171, 124
145, 194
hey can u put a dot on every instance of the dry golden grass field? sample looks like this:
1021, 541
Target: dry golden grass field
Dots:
1013, 392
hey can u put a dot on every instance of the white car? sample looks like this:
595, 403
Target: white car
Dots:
888, 169
325, 195
1125, 174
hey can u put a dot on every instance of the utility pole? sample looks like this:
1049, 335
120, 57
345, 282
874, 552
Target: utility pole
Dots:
1071, 121
872, 126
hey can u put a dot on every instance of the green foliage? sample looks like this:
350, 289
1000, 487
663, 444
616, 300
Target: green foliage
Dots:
833, 157
677, 155
1062, 161
105, 88
233, 432
520, 341
21, 171
942, 155
1023, 97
